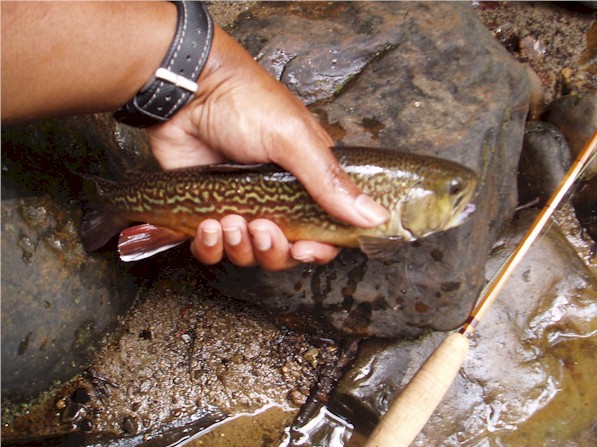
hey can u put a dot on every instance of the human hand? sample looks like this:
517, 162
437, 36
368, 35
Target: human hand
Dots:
243, 114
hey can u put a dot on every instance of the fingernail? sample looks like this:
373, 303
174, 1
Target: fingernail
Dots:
262, 239
209, 237
369, 209
232, 236
304, 256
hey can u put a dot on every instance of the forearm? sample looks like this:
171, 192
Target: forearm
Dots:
51, 65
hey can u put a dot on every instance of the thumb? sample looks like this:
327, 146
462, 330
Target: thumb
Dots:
318, 170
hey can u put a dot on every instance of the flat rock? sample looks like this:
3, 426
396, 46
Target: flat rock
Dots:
316, 50
419, 77
56, 300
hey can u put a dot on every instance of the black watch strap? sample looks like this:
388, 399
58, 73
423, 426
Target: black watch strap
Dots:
174, 83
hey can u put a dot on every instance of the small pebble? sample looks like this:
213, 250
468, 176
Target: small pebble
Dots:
60, 404
130, 426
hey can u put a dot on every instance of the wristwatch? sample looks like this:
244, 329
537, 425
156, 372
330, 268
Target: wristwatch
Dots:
174, 84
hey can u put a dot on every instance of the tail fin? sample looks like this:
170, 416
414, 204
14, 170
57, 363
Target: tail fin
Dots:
98, 225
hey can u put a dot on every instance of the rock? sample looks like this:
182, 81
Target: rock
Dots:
183, 357
318, 63
576, 117
544, 161
57, 301
52, 152
426, 78
537, 103
529, 376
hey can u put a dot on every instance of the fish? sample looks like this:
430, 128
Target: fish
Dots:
424, 195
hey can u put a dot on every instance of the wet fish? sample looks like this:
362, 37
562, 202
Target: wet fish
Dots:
424, 195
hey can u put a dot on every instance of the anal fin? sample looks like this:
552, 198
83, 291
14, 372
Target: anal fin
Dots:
143, 241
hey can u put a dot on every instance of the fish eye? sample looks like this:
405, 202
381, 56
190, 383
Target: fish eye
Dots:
455, 187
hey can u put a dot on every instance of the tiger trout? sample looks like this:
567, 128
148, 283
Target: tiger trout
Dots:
424, 195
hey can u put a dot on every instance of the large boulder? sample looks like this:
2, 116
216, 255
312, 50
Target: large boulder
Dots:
57, 300
420, 77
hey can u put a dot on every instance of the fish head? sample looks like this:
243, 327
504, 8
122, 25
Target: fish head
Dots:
438, 202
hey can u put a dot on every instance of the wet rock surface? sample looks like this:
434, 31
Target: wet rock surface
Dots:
183, 356
57, 300
528, 377
544, 161
423, 78
347, 38
576, 117
585, 205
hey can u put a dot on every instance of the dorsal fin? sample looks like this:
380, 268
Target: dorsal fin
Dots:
223, 168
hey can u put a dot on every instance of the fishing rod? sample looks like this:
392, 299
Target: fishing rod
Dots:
414, 405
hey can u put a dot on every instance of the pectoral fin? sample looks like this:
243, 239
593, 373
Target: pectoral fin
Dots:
380, 247
143, 241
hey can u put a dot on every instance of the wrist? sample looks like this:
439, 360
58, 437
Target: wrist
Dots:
145, 46
118, 46
174, 83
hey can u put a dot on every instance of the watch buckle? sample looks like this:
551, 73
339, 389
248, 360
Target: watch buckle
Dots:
171, 77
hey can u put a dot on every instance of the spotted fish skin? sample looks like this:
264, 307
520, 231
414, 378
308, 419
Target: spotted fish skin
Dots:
423, 194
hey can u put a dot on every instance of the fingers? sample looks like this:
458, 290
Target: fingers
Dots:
229, 237
313, 252
306, 153
272, 249
237, 242
260, 242
274, 252
338, 195
207, 246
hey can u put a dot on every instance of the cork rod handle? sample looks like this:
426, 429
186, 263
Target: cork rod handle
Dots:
416, 403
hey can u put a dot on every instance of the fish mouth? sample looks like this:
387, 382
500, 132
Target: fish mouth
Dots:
464, 215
